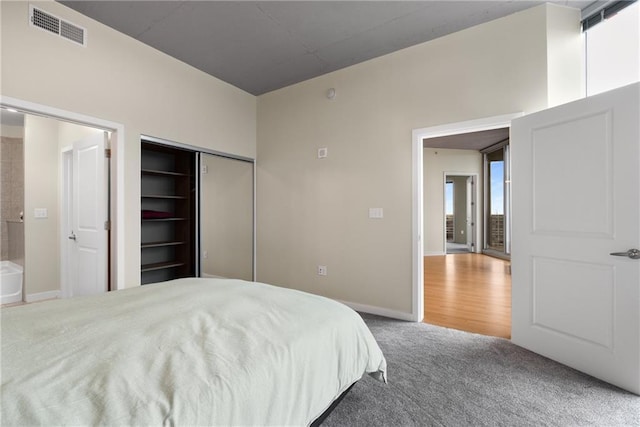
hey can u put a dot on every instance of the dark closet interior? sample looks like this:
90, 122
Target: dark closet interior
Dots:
168, 213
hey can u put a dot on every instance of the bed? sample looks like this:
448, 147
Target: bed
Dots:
185, 352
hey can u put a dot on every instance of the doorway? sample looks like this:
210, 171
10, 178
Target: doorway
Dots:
47, 283
441, 134
460, 213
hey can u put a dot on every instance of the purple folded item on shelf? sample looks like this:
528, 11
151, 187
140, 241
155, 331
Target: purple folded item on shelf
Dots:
149, 214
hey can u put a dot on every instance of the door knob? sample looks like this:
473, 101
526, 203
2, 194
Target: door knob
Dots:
631, 253
73, 236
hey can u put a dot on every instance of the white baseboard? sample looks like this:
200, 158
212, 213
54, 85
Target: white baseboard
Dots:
40, 296
393, 314
434, 253
212, 276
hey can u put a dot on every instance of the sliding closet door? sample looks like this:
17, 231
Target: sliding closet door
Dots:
226, 217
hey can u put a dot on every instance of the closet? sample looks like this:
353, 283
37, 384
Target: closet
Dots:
197, 213
168, 213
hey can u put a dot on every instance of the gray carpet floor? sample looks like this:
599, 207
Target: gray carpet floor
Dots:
444, 377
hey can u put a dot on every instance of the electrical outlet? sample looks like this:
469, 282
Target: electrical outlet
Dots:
205, 254
322, 270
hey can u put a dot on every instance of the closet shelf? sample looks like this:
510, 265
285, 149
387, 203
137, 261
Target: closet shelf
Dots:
162, 173
160, 266
161, 244
168, 212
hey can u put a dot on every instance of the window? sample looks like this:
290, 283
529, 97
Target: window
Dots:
448, 204
497, 235
612, 47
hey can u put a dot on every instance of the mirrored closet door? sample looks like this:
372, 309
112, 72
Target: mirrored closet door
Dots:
226, 217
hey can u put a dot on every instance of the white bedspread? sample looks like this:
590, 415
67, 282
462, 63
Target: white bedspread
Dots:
185, 352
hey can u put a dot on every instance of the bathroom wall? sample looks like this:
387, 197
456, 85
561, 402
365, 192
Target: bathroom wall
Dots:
12, 194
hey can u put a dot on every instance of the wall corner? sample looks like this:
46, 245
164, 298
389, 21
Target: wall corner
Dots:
565, 55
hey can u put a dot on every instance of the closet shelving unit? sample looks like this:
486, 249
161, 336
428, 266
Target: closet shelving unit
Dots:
168, 212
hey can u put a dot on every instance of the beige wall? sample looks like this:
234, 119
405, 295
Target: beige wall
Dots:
118, 79
313, 211
436, 163
565, 56
12, 131
41, 235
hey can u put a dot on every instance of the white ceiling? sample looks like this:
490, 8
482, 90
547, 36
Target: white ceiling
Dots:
260, 46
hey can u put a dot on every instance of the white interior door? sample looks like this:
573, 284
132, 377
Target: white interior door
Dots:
576, 200
89, 202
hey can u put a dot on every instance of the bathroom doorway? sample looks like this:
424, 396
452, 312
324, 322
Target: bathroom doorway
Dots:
12, 200
35, 199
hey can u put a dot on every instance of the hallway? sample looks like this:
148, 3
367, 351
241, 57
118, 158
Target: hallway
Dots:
470, 292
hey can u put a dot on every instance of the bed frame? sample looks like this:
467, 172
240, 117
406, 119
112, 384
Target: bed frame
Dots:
318, 421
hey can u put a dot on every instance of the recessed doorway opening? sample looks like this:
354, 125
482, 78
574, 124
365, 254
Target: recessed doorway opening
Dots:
439, 148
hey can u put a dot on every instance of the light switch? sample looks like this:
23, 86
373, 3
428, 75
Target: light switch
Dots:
376, 213
40, 213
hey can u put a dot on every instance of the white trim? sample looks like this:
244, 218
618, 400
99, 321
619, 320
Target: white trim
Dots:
417, 303
393, 314
41, 296
63, 199
418, 135
117, 203
255, 224
433, 253
212, 276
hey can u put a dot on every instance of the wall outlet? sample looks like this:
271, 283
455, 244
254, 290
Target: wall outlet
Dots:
205, 254
322, 270
323, 152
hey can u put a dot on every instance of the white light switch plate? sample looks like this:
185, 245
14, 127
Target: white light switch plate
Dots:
376, 213
40, 213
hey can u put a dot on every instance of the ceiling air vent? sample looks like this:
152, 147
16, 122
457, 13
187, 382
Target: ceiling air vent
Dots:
46, 21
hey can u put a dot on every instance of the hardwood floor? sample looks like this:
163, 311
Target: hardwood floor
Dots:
470, 292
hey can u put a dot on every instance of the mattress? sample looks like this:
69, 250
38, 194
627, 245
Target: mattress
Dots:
186, 352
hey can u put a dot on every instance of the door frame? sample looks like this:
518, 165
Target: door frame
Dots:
506, 205
418, 135
116, 180
66, 209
